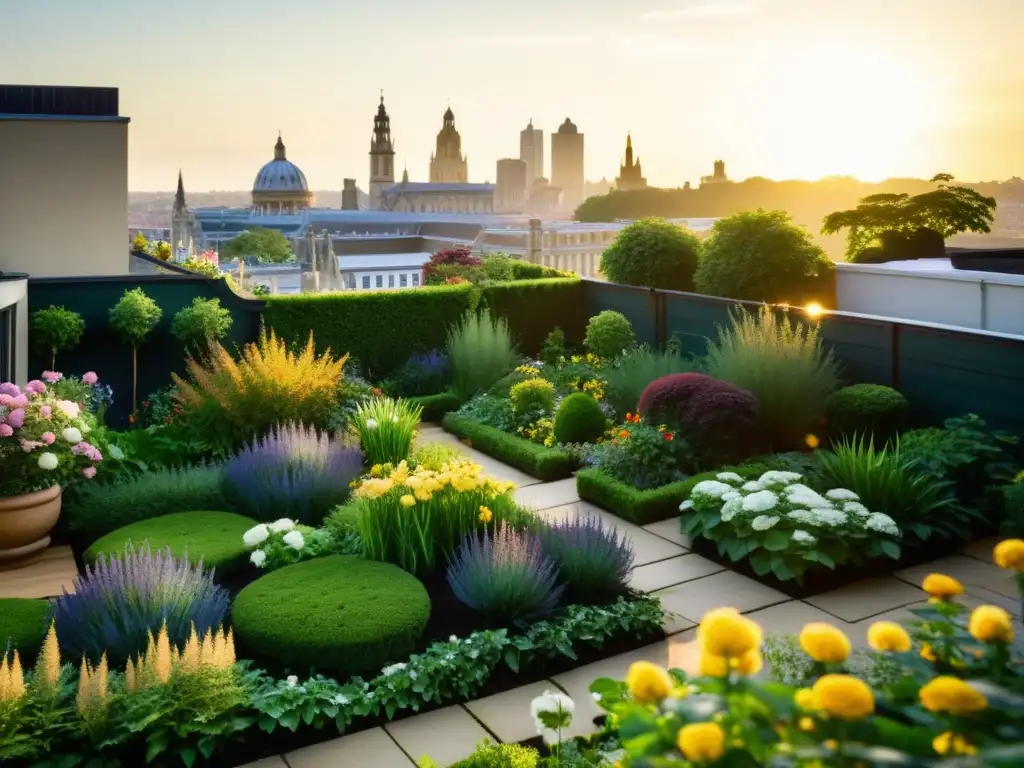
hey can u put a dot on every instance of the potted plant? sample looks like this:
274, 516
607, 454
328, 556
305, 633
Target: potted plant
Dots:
44, 445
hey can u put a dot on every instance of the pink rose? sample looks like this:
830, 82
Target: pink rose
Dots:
35, 387
16, 418
90, 377
89, 472
48, 438
45, 411
52, 376
5, 430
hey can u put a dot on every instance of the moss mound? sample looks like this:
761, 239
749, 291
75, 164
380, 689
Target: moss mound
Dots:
216, 537
23, 625
342, 614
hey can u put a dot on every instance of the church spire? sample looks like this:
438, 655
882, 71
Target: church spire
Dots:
179, 195
279, 148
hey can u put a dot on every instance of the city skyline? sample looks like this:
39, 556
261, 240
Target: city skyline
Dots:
777, 88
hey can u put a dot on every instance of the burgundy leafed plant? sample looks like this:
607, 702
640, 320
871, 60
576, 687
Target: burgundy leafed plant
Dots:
460, 257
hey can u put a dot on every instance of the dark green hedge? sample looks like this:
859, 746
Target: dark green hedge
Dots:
435, 406
543, 463
381, 329
527, 270
1013, 509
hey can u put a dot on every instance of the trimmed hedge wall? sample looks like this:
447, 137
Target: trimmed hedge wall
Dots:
381, 329
537, 460
435, 406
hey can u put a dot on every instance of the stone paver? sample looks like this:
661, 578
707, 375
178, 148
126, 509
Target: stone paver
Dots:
373, 747
981, 549
693, 599
268, 762
547, 495
968, 571
669, 529
675, 570
867, 598
445, 735
507, 715
789, 618
48, 575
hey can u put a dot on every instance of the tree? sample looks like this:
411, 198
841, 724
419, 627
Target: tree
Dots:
763, 256
140, 244
202, 322
456, 258
946, 211
653, 253
56, 328
267, 246
133, 317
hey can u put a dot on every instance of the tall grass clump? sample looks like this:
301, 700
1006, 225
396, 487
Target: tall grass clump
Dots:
386, 428
637, 368
784, 364
294, 472
593, 561
481, 351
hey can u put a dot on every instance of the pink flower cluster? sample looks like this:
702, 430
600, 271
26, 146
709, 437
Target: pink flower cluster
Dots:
91, 452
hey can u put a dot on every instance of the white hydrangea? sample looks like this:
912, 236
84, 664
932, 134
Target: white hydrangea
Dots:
778, 477
751, 485
802, 516
729, 477
294, 539
292, 680
730, 509
833, 518
388, 671
760, 501
731, 495
764, 522
686, 505
856, 508
802, 496
842, 494
256, 535
803, 537
876, 521
282, 525
72, 435
48, 461
713, 488
258, 558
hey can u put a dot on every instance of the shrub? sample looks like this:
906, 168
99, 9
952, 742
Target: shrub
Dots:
609, 334
210, 538
386, 428
653, 253
532, 395
592, 560
203, 321
491, 410
434, 407
118, 601
544, 463
503, 386
717, 419
505, 576
1013, 510
867, 409
628, 376
763, 256
231, 402
22, 626
282, 542
459, 257
54, 329
434, 456
579, 420
641, 455
491, 755
328, 613
133, 318
497, 267
421, 374
527, 270
293, 472
99, 509
481, 352
784, 364
553, 348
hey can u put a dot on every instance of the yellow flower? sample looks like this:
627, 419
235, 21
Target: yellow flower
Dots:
407, 500
805, 724
942, 587
486, 515
748, 664
844, 697
824, 643
648, 682
888, 636
812, 441
724, 632
953, 743
1009, 554
805, 699
48, 663
375, 470
422, 494
701, 742
952, 695
991, 624
928, 653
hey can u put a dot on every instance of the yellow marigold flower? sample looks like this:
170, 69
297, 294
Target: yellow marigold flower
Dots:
748, 664
648, 682
701, 742
825, 643
942, 587
888, 636
486, 515
375, 470
953, 743
812, 441
991, 624
805, 724
952, 695
805, 699
1009, 554
844, 697
928, 653
407, 500
724, 632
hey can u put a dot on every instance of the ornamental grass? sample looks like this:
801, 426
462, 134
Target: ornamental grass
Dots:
386, 428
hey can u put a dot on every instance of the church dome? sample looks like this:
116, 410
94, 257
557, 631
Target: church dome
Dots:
568, 127
280, 175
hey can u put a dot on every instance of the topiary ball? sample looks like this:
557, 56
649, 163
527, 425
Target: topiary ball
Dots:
654, 253
213, 537
23, 624
609, 334
531, 395
866, 409
579, 420
343, 614
719, 420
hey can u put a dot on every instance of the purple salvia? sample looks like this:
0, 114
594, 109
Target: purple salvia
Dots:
593, 560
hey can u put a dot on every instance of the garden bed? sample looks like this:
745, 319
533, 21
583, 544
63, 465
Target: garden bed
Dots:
539, 461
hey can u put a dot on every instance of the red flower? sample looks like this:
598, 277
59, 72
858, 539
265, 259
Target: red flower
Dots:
668, 437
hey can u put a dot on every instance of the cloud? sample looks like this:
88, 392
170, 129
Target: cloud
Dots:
524, 41
702, 11
659, 47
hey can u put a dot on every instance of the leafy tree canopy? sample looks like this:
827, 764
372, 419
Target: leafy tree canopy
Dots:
267, 246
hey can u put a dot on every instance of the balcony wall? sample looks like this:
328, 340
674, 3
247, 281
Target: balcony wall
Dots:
14, 327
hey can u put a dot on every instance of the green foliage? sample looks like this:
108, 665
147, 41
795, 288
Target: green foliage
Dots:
653, 253
1013, 511
532, 395
275, 552
788, 664
434, 407
784, 364
642, 455
553, 348
892, 245
527, 270
267, 246
134, 316
54, 329
763, 256
481, 352
867, 409
579, 420
491, 755
497, 267
544, 463
609, 334
23, 624
629, 375
433, 456
328, 613
386, 428
215, 538
203, 321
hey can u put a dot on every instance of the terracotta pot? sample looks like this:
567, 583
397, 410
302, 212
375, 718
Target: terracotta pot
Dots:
26, 522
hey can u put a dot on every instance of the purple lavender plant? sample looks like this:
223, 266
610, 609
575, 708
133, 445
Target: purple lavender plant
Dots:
121, 599
594, 561
504, 576
293, 472
422, 374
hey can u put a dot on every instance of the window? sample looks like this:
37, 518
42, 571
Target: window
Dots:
403, 280
391, 280
366, 282
379, 282
415, 279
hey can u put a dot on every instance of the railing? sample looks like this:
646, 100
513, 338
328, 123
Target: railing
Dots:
13, 327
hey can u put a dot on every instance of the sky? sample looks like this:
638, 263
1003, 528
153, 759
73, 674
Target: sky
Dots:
777, 88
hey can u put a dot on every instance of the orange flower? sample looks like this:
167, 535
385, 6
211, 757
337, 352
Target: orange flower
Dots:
131, 419
629, 417
623, 434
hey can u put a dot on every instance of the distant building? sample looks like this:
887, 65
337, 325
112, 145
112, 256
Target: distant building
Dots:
543, 197
630, 174
531, 152
567, 163
418, 197
510, 190
350, 196
280, 186
183, 223
718, 177
447, 164
382, 156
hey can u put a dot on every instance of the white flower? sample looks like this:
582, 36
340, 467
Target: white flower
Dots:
388, 671
340, 699
751, 485
294, 539
394, 419
551, 701
731, 495
876, 521
777, 477
596, 695
256, 535
258, 558
830, 517
801, 495
70, 408
115, 452
712, 488
729, 477
48, 461
803, 537
292, 680
764, 522
842, 494
453, 639
688, 504
802, 516
730, 509
284, 524
371, 423
72, 435
761, 501
856, 508
551, 712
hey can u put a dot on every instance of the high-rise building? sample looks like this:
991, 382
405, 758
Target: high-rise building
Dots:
531, 152
510, 190
382, 155
350, 196
630, 174
447, 164
567, 163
